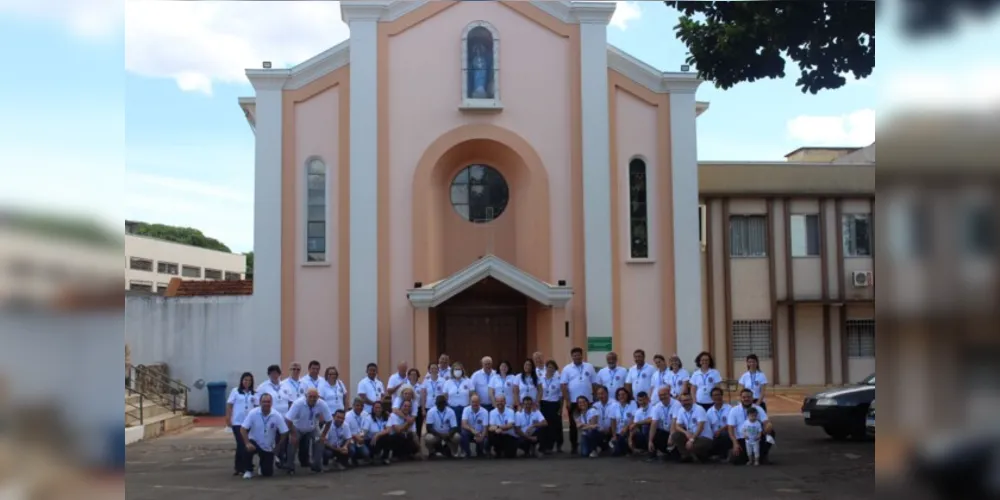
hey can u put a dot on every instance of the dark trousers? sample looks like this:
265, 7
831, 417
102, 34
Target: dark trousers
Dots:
265, 458
380, 448
403, 445
503, 445
529, 446
241, 451
552, 411
574, 434
482, 449
765, 447
721, 445
620, 445
420, 422
330, 455
661, 441
640, 440
706, 406
762, 405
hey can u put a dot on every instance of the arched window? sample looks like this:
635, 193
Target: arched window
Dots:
480, 64
638, 210
479, 193
316, 203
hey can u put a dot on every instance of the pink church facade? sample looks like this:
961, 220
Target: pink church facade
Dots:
476, 178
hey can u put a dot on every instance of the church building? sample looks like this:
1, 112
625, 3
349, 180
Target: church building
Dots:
476, 178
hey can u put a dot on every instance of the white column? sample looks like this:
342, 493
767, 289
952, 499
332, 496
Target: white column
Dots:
266, 299
687, 250
362, 18
597, 237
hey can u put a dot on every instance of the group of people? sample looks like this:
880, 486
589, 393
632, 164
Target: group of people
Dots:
658, 411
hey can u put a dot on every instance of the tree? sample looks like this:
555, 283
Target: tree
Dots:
184, 235
734, 42
249, 271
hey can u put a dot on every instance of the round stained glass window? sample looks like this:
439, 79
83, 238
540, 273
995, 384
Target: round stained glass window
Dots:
479, 193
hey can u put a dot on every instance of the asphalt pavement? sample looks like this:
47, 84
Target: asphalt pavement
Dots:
197, 465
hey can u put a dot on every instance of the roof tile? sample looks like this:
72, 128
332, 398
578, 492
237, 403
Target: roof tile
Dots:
191, 288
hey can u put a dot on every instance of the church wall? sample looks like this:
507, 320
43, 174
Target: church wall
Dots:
424, 81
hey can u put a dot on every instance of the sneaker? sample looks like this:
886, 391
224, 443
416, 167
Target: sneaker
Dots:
247, 475
386, 461
594, 454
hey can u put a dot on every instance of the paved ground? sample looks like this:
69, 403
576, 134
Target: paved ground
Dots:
197, 465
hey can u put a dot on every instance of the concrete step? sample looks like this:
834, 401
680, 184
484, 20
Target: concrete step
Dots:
149, 410
132, 399
157, 426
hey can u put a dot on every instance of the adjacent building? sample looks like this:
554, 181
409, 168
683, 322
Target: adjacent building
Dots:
150, 263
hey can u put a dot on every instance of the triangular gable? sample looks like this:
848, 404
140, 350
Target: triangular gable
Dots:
491, 266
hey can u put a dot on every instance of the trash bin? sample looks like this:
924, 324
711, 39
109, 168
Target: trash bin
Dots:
217, 399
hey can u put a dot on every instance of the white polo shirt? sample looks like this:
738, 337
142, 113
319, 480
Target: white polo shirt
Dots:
305, 417
551, 389
689, 420
242, 404
705, 382
442, 421
738, 415
265, 429
527, 421
358, 424
643, 414
311, 383
641, 379
526, 387
579, 381
373, 389
718, 417
338, 436
477, 420
459, 392
505, 417
433, 388
665, 415
414, 407
395, 380
376, 426
660, 379
604, 410
482, 382
612, 379
395, 420
505, 386
333, 395
676, 380
293, 390
279, 403
585, 418
622, 414
755, 381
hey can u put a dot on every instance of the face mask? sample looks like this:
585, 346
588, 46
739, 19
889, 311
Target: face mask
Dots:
458, 373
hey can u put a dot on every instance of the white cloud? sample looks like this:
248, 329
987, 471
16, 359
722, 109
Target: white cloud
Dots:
965, 89
854, 129
89, 19
626, 12
198, 43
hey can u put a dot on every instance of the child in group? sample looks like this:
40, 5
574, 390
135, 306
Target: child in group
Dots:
750, 432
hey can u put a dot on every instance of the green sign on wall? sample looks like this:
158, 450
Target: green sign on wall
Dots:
599, 344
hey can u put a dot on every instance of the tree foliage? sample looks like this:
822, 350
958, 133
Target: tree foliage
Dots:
185, 235
64, 227
734, 42
249, 271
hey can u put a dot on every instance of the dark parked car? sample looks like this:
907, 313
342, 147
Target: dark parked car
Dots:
843, 412
962, 466
870, 424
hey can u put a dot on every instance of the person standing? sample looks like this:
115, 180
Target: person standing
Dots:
612, 377
459, 389
292, 387
552, 407
526, 385
578, 380
333, 391
640, 376
482, 380
704, 379
503, 383
370, 389
272, 386
661, 375
755, 380
262, 431
242, 399
396, 381
312, 379
679, 377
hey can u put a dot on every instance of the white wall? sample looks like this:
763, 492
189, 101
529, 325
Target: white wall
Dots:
199, 338
175, 253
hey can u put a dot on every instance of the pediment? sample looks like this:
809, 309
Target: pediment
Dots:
490, 266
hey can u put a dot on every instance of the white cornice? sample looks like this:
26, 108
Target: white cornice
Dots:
364, 10
650, 77
249, 107
558, 10
322, 64
436, 294
268, 79
592, 12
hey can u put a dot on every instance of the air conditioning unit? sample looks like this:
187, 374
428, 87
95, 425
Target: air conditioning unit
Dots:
703, 225
861, 279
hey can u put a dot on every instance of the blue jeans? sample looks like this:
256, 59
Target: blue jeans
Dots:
359, 451
468, 439
621, 445
589, 441
458, 413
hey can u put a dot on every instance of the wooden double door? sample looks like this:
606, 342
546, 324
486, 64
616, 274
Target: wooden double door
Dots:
489, 319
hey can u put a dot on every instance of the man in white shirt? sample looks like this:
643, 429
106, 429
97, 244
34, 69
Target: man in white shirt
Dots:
692, 435
306, 421
370, 388
612, 377
642, 420
663, 419
272, 386
503, 437
444, 367
539, 360
661, 375
578, 380
292, 387
443, 434
358, 422
312, 380
718, 418
640, 376
396, 382
475, 420
260, 431
337, 443
482, 380
738, 415
530, 425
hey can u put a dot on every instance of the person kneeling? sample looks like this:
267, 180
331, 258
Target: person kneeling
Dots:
503, 437
338, 443
442, 436
530, 428
475, 420
588, 424
402, 440
692, 435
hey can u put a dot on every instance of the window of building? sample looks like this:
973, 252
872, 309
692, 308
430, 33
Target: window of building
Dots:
748, 236
230, 276
161, 288
480, 68
857, 235
638, 210
860, 338
166, 268
140, 264
213, 274
752, 337
316, 211
479, 193
980, 229
190, 271
805, 235
703, 226
140, 286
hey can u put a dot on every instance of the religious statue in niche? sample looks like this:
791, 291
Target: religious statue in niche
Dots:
480, 84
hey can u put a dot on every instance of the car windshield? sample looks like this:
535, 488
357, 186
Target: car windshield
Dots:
869, 381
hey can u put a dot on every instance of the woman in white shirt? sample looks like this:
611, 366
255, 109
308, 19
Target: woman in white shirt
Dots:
588, 424
678, 378
526, 384
402, 438
242, 399
552, 404
755, 380
419, 398
333, 391
378, 432
622, 410
433, 385
704, 379
503, 383
458, 388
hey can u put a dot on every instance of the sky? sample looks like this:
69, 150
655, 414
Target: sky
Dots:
148, 94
